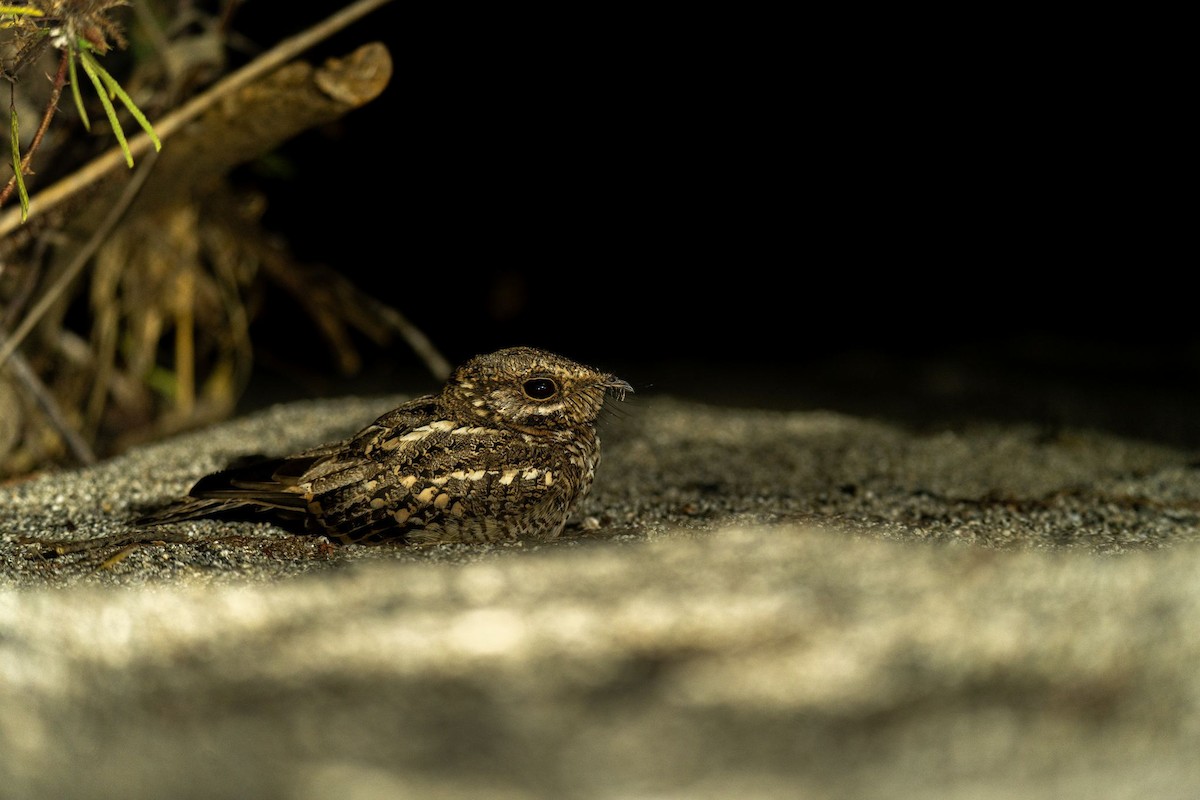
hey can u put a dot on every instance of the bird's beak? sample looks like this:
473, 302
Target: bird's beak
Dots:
616, 387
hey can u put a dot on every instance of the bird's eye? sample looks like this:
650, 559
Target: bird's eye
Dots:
540, 388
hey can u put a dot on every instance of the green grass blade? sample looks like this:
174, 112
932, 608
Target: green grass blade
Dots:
16, 156
115, 89
28, 11
89, 66
87, 123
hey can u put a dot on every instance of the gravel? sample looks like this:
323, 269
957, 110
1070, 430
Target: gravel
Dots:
751, 603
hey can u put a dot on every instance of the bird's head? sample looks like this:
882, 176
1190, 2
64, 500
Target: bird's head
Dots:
530, 390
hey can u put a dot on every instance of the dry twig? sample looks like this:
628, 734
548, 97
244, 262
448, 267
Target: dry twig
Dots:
285, 51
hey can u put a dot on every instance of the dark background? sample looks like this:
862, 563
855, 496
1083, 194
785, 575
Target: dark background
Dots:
924, 233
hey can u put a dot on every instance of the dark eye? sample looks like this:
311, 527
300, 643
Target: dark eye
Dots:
540, 388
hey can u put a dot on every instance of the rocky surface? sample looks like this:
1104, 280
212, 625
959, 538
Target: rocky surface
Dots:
753, 604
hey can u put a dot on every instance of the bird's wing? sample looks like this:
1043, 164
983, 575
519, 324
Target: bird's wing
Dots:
250, 484
267, 482
434, 477
280, 487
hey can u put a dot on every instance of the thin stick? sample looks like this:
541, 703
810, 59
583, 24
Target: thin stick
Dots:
59, 81
56, 549
283, 52
81, 258
21, 370
435, 362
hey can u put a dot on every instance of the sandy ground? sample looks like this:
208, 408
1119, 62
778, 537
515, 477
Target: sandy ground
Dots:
753, 604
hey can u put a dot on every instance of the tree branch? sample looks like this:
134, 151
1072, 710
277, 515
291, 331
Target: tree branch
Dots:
285, 51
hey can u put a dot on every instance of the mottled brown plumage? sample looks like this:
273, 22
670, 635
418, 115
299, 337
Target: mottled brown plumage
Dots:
507, 448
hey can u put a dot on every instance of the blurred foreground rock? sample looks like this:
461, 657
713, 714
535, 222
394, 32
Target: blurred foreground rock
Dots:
769, 605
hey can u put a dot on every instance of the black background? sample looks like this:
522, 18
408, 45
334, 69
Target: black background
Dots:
740, 215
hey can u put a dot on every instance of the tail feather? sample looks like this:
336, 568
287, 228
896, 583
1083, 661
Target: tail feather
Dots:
250, 488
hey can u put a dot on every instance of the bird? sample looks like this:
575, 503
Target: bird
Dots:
507, 449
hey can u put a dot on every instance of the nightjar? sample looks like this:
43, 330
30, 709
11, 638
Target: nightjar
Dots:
507, 448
